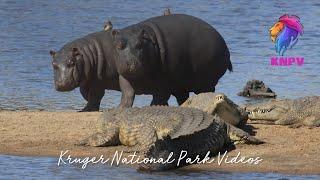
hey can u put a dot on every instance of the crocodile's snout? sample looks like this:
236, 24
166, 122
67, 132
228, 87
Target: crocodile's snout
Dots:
260, 111
220, 97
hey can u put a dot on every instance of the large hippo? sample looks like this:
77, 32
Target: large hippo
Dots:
174, 54
170, 55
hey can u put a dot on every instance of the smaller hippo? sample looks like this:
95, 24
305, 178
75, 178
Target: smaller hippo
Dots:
88, 63
107, 26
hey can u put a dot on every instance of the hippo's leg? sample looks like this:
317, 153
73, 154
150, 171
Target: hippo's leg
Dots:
160, 99
181, 97
204, 90
84, 92
93, 96
128, 94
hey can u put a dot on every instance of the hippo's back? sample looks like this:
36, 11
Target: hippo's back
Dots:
194, 53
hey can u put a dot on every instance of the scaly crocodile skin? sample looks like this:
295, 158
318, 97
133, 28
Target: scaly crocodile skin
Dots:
159, 130
301, 111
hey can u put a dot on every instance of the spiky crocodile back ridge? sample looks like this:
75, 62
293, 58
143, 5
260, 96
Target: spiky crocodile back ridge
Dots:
309, 101
213, 139
182, 120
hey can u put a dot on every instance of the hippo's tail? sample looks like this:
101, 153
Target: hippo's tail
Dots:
229, 64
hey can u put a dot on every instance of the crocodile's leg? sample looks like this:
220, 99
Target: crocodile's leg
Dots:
312, 121
286, 121
145, 138
101, 139
238, 136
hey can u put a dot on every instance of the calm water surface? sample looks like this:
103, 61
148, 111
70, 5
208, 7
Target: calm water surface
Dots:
29, 29
12, 167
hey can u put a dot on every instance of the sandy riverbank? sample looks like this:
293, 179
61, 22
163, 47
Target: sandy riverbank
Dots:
292, 151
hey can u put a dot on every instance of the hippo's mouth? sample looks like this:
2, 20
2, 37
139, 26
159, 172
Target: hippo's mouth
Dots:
68, 81
62, 87
66, 85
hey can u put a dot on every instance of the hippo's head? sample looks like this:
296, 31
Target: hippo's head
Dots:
66, 65
134, 46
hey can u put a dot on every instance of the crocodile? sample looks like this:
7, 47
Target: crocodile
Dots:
138, 129
219, 104
257, 88
296, 112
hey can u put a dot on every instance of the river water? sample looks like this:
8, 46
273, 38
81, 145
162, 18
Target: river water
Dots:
13, 167
29, 29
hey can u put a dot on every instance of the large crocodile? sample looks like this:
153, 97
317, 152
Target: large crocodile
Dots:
139, 128
302, 111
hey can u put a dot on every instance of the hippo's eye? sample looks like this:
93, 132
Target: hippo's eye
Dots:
120, 45
138, 45
71, 62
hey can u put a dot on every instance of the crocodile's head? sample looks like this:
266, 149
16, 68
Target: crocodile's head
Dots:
228, 110
220, 104
221, 101
271, 111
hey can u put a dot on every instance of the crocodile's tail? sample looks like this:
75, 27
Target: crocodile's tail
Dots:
213, 139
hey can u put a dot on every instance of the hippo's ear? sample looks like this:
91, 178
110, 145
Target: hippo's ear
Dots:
114, 33
75, 51
52, 53
142, 34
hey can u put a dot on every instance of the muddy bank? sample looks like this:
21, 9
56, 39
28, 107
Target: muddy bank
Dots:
292, 151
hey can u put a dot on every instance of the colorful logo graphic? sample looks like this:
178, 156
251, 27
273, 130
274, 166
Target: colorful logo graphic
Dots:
285, 32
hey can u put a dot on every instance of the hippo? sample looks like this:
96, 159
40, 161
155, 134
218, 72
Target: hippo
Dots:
170, 55
162, 56
88, 63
